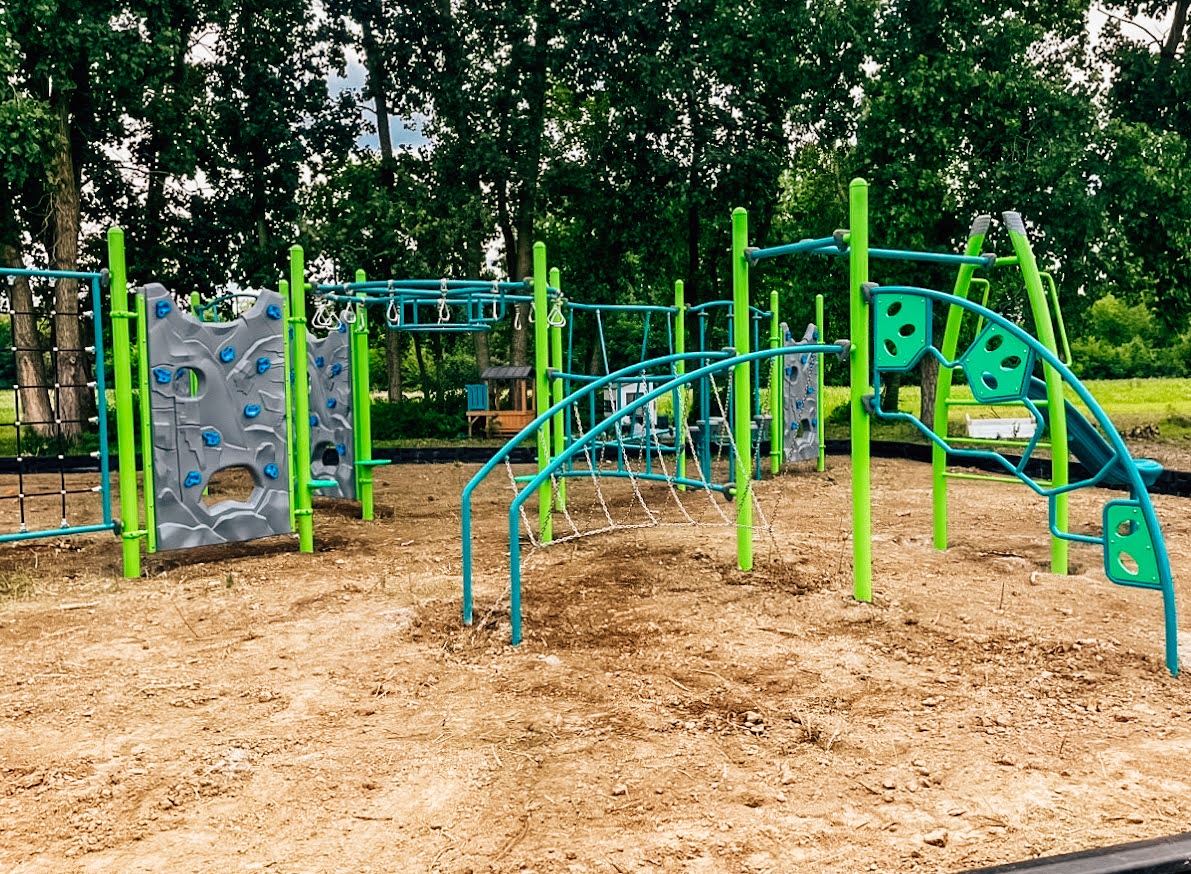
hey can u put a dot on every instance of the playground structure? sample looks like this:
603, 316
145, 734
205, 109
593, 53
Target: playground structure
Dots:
892, 331
217, 396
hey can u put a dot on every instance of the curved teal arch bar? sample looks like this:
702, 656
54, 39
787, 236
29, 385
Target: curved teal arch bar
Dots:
1135, 552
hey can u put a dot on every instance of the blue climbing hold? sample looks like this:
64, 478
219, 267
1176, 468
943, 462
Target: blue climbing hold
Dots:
163, 375
342, 329
798, 405
263, 364
273, 311
162, 308
814, 423
227, 354
211, 438
336, 369
331, 403
804, 357
313, 421
319, 361
341, 449
810, 390
252, 410
271, 470
193, 478
180, 373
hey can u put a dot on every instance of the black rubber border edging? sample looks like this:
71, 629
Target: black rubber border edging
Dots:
1158, 856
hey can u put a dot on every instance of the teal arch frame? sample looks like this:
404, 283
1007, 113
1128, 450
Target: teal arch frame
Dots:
541, 480
1121, 459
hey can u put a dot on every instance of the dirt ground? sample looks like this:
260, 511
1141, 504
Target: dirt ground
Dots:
251, 708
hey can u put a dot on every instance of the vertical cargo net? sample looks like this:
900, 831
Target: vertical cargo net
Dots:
53, 411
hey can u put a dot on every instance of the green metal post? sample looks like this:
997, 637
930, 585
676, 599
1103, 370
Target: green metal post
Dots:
679, 369
820, 400
143, 367
130, 530
1060, 457
741, 384
558, 425
541, 392
777, 404
300, 455
362, 407
955, 315
287, 356
860, 382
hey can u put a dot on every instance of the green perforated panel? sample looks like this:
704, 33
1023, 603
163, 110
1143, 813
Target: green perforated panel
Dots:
998, 366
1129, 556
902, 329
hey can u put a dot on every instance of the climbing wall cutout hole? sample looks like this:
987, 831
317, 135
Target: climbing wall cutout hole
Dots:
994, 343
989, 380
894, 308
229, 484
1011, 363
1128, 563
328, 454
1127, 527
907, 330
890, 347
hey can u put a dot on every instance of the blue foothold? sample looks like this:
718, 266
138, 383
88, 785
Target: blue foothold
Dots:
193, 478
273, 311
810, 389
163, 375
263, 364
798, 405
313, 421
342, 329
211, 438
804, 357
271, 470
331, 403
319, 361
336, 369
162, 308
227, 354
341, 449
252, 410
814, 423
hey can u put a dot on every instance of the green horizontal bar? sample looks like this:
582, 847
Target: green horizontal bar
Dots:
992, 478
993, 441
374, 462
1006, 261
972, 402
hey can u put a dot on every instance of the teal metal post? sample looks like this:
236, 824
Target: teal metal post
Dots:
741, 383
130, 530
541, 392
297, 367
820, 399
777, 402
860, 381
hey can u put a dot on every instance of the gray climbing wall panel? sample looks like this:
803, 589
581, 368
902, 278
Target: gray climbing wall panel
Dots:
801, 400
332, 455
236, 419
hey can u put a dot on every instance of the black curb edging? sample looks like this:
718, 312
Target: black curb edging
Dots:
1158, 856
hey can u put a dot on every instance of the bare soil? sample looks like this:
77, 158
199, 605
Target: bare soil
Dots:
251, 708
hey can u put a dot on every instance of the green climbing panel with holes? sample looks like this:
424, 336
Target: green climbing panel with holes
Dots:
1129, 556
998, 366
902, 330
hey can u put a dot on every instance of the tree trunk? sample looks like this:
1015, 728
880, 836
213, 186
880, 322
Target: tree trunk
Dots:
483, 353
76, 403
890, 388
33, 396
374, 64
930, 384
393, 350
436, 356
423, 376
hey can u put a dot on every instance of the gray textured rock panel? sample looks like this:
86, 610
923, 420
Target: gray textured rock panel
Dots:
801, 406
331, 415
236, 420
